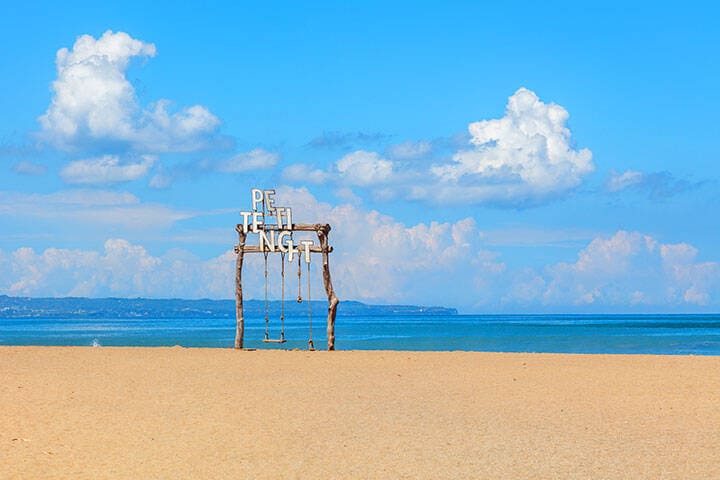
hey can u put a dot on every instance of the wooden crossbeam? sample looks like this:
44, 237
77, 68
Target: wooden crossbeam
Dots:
300, 251
296, 227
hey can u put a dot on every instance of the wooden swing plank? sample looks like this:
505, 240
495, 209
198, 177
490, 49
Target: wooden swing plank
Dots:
274, 340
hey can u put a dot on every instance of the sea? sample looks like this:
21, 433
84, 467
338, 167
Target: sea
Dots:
607, 334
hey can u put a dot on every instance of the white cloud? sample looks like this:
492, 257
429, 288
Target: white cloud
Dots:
625, 270
657, 185
359, 168
304, 173
162, 179
348, 196
364, 168
94, 105
106, 170
92, 208
518, 236
121, 269
621, 181
410, 149
256, 159
29, 168
524, 156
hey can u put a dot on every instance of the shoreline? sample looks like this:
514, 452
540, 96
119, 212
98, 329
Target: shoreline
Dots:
340, 350
166, 412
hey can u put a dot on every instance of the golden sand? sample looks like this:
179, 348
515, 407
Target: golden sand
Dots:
210, 413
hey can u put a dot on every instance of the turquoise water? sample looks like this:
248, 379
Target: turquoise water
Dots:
658, 334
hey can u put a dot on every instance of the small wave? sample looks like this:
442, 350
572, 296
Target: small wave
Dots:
96, 343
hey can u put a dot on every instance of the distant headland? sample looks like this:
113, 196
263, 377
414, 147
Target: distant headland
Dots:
80, 307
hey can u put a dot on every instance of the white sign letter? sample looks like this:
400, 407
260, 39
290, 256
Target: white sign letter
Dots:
257, 220
269, 201
307, 244
265, 240
288, 212
257, 197
282, 235
245, 216
278, 216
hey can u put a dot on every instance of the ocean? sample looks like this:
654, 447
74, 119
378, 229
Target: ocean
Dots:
626, 334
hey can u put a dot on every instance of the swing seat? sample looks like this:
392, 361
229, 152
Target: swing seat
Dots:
274, 340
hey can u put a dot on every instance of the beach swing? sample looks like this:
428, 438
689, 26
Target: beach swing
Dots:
277, 237
267, 338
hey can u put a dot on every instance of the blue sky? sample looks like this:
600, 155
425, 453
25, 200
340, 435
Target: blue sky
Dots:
524, 157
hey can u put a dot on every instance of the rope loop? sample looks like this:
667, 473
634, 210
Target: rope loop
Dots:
299, 298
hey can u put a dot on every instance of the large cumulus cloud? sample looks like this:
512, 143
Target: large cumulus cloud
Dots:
94, 104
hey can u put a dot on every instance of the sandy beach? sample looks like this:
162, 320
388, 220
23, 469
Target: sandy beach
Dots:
83, 412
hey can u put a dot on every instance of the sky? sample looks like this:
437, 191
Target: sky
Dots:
504, 157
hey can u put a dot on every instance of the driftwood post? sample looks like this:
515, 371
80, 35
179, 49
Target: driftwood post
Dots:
240, 325
322, 233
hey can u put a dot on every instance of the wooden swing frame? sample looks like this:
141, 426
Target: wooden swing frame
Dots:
322, 231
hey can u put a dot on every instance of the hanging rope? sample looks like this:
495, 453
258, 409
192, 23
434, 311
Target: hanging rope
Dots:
267, 307
282, 296
299, 299
311, 346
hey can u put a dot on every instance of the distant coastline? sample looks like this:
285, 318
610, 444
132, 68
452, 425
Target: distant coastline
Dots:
81, 307
211, 323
